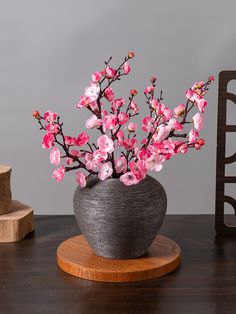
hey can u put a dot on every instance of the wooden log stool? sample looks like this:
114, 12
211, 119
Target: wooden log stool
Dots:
16, 219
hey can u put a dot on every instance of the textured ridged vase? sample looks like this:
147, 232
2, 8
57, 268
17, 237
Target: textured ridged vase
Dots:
120, 221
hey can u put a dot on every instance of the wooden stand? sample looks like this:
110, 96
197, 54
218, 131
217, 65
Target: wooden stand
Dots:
16, 219
75, 257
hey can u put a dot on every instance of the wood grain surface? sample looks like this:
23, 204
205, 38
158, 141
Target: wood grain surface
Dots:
5, 189
16, 224
205, 283
76, 257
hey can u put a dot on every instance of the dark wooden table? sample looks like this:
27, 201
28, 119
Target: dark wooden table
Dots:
30, 281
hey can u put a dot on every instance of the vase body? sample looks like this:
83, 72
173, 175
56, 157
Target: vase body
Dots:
120, 221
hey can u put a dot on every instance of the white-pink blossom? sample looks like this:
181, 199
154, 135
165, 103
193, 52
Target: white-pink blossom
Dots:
154, 162
129, 178
106, 171
121, 164
109, 122
193, 136
93, 122
201, 104
126, 68
55, 156
59, 173
105, 144
81, 179
198, 121
92, 91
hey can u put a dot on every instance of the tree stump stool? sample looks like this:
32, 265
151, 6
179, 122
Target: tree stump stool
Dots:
16, 219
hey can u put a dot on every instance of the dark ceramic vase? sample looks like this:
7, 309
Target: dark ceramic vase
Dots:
120, 221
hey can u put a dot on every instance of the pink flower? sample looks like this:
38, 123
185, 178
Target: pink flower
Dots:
117, 103
183, 148
120, 137
126, 68
155, 104
69, 140
59, 173
129, 144
82, 139
96, 77
99, 156
105, 171
167, 113
83, 102
109, 94
167, 147
92, 161
47, 141
154, 162
132, 127
88, 160
175, 125
69, 161
148, 124
144, 154
179, 110
192, 136
92, 91
93, 122
201, 104
94, 106
55, 156
162, 133
105, 144
81, 179
123, 118
138, 169
52, 128
50, 116
134, 107
110, 72
149, 89
129, 178
75, 152
192, 96
121, 164
109, 122
198, 121
189, 94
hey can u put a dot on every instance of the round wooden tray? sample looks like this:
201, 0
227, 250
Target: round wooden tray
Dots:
74, 256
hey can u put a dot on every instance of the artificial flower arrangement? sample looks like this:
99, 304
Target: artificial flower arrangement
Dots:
164, 135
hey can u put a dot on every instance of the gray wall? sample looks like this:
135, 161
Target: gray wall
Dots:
49, 48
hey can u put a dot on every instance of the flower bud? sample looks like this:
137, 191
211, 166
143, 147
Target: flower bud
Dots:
153, 79
133, 92
201, 142
36, 114
211, 78
131, 54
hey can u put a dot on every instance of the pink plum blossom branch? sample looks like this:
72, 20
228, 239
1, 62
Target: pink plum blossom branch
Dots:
166, 135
